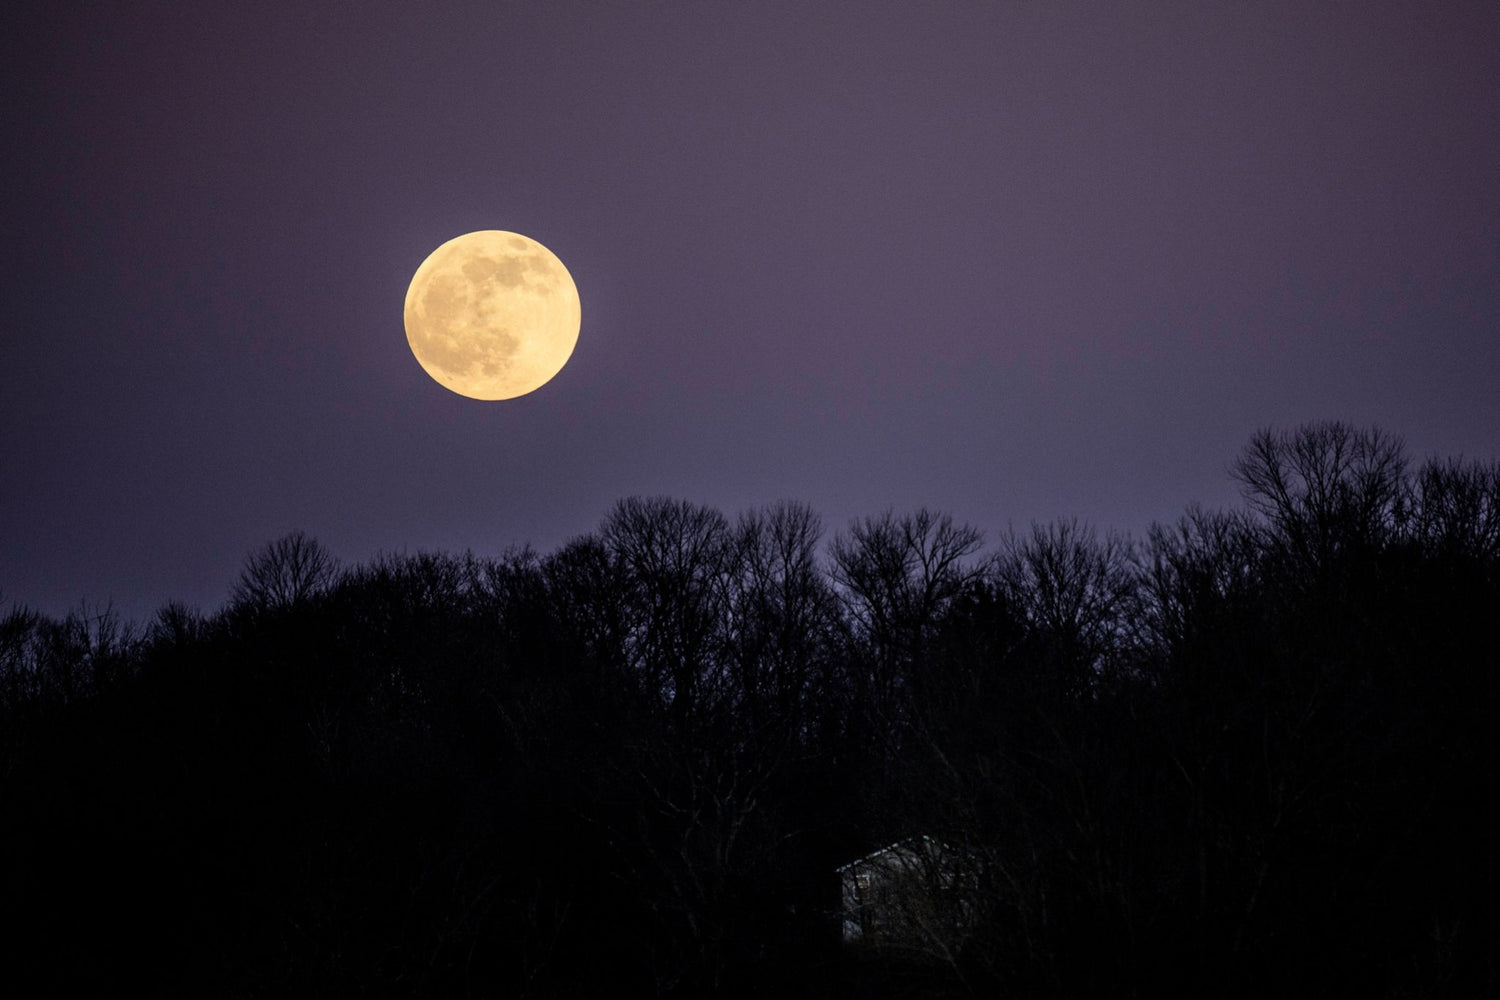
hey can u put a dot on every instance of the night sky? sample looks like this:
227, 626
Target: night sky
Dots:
1010, 261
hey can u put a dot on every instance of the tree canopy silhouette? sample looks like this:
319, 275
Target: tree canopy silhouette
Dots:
1240, 756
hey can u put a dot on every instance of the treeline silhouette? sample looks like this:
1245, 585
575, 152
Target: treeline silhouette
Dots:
1251, 754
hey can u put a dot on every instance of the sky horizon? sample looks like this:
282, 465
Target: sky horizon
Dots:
1009, 262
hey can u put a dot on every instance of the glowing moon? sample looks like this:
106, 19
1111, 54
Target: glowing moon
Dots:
492, 315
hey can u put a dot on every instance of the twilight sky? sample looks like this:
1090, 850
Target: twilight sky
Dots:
1008, 260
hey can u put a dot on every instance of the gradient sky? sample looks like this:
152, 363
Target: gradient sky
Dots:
1008, 260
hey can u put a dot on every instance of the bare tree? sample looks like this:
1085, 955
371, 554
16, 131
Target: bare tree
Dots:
1189, 572
83, 652
19, 680
1074, 590
783, 613
674, 558
584, 584
285, 573
1325, 488
1454, 508
896, 576
175, 624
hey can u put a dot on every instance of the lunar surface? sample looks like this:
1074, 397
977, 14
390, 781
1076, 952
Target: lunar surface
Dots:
492, 315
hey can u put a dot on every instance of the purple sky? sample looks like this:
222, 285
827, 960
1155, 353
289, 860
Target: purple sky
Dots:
1007, 260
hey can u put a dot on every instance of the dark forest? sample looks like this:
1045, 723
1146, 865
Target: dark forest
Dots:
1246, 755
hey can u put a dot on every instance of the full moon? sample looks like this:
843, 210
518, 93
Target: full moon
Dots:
492, 315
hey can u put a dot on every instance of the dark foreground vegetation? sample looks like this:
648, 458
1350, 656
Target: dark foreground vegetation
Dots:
1250, 755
